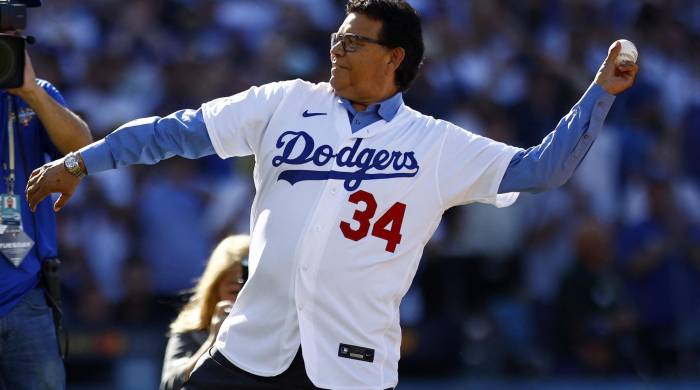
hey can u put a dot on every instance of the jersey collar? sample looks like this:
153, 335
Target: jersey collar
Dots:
386, 109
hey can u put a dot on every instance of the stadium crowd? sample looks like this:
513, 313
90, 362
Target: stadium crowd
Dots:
599, 278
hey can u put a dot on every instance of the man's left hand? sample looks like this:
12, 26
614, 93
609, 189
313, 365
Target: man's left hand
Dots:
616, 78
48, 179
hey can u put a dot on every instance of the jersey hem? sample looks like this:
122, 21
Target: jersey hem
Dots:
328, 386
251, 370
317, 384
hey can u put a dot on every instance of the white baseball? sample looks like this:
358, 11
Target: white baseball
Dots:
628, 52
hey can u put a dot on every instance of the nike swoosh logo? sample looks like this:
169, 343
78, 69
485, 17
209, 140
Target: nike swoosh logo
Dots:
307, 114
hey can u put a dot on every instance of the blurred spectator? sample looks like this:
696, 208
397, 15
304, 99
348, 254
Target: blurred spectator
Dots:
691, 142
660, 257
596, 319
194, 331
170, 214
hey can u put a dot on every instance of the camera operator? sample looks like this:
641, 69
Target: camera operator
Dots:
34, 125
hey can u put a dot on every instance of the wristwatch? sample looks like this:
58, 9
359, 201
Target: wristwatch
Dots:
72, 164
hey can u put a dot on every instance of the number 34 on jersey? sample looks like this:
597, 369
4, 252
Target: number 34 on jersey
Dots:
386, 227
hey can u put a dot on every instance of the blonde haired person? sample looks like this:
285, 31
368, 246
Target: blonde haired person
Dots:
194, 330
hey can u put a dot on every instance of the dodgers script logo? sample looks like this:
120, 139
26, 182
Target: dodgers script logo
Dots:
297, 148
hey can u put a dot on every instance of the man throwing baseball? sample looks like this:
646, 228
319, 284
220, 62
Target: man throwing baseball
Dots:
350, 185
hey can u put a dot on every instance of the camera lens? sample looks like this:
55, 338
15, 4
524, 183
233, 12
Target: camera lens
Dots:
5, 58
11, 61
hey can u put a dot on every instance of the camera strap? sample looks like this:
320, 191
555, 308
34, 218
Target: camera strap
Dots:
14, 242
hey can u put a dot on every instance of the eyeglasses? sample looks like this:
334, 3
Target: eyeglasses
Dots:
351, 42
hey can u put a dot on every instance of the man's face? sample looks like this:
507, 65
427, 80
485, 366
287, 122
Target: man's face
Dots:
366, 74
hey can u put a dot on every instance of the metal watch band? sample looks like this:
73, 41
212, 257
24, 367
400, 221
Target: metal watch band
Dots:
72, 164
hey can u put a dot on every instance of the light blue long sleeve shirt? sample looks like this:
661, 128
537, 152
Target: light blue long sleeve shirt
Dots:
183, 133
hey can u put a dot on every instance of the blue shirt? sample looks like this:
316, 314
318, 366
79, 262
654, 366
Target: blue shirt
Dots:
385, 109
539, 168
33, 148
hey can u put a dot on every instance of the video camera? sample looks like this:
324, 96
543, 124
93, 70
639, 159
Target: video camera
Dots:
13, 18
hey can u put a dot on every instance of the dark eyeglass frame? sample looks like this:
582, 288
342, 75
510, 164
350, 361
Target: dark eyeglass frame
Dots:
351, 46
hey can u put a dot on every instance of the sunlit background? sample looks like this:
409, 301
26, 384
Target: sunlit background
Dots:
595, 285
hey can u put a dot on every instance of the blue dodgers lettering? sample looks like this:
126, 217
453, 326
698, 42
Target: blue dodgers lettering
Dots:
298, 148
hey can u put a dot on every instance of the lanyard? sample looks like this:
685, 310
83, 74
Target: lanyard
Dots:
10, 179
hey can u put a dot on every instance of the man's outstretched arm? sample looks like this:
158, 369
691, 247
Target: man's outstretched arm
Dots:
150, 140
553, 162
142, 141
233, 122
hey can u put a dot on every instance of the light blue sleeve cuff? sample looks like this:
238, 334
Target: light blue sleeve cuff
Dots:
97, 157
597, 102
597, 99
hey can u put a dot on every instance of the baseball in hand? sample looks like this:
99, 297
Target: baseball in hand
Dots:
628, 52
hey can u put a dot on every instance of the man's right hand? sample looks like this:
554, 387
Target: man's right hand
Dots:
50, 178
616, 78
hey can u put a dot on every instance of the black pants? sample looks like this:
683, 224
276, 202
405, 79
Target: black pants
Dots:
217, 372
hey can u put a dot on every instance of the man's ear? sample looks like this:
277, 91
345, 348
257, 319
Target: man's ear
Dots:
396, 58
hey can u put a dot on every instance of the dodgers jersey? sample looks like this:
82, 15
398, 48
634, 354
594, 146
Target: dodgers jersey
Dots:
338, 225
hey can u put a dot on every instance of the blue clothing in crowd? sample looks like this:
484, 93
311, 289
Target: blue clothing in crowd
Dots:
33, 148
667, 293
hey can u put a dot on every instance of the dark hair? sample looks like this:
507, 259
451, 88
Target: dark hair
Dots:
401, 27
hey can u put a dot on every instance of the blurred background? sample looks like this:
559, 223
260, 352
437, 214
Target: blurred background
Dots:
594, 285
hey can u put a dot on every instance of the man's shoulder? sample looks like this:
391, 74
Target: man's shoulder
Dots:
51, 90
425, 120
46, 84
432, 127
302, 86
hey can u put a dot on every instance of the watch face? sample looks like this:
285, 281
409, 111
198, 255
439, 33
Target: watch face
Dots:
71, 162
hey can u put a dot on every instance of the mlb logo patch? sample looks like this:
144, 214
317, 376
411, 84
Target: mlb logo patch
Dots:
26, 115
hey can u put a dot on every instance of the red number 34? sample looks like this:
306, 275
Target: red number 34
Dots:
393, 216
